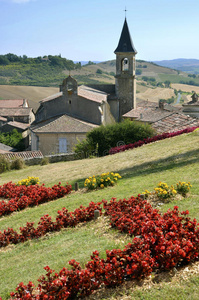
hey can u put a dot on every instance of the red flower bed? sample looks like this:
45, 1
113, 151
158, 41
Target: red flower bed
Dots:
64, 219
160, 242
150, 140
23, 196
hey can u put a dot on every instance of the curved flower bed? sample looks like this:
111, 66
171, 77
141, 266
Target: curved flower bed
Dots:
64, 219
160, 242
150, 140
23, 196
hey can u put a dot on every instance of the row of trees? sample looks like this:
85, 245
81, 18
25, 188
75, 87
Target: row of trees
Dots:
54, 60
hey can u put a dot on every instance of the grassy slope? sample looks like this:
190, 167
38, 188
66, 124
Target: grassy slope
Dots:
170, 160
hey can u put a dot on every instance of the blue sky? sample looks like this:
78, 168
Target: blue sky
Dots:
90, 29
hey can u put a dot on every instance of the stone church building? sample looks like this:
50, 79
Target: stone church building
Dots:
63, 119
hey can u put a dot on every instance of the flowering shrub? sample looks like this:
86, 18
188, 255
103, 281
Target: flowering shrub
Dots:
160, 242
29, 181
101, 181
64, 219
164, 192
151, 140
183, 188
22, 196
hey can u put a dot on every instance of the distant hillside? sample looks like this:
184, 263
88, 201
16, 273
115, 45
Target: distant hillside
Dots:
51, 70
181, 64
38, 78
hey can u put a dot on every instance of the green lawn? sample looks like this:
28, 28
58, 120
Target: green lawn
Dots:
171, 160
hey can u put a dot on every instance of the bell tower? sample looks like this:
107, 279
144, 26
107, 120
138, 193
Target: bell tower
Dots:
125, 82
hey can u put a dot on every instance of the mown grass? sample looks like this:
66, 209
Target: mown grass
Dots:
170, 161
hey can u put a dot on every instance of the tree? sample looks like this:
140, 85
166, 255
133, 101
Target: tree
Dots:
4, 60
167, 83
99, 71
138, 72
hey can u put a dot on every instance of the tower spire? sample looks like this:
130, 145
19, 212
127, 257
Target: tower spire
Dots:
125, 43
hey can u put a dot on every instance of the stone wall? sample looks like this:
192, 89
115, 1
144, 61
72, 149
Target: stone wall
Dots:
52, 159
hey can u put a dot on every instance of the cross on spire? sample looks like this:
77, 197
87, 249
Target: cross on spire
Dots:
125, 11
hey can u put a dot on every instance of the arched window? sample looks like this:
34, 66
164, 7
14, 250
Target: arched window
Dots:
125, 64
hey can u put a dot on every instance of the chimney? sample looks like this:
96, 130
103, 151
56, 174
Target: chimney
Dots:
161, 104
25, 104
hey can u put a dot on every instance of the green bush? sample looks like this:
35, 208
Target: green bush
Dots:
103, 138
17, 164
84, 150
4, 164
44, 161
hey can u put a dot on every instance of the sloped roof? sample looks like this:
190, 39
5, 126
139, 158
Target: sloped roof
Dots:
148, 111
191, 103
54, 96
125, 43
92, 94
11, 103
9, 112
175, 121
63, 124
18, 125
147, 114
85, 92
3, 119
4, 148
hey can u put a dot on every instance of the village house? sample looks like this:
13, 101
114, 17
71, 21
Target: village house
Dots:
16, 114
16, 110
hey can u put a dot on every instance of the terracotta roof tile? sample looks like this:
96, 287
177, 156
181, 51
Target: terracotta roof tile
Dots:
174, 122
24, 155
11, 103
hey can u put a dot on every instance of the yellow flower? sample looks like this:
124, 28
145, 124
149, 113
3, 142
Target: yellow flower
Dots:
102, 186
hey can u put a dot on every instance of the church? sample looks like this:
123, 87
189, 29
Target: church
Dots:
63, 119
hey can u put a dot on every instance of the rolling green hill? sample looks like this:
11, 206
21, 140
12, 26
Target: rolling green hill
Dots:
49, 71
38, 78
170, 160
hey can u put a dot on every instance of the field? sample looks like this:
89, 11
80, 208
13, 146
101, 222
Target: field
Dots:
33, 94
101, 73
185, 87
155, 94
171, 160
